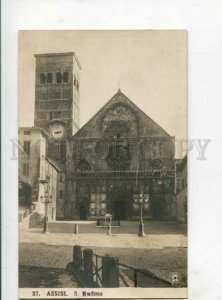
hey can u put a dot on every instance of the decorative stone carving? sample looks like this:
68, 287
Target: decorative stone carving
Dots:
157, 164
118, 156
119, 119
83, 165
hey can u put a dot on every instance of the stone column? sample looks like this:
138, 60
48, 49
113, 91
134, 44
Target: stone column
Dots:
110, 272
76, 228
77, 256
88, 263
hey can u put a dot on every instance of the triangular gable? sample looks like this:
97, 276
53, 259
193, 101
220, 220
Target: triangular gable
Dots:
147, 127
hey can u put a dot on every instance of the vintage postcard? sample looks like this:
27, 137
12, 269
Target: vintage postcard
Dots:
102, 164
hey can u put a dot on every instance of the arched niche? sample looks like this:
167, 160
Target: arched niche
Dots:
119, 121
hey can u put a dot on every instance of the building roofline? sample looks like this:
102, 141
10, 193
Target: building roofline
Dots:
182, 164
34, 128
53, 163
60, 54
132, 103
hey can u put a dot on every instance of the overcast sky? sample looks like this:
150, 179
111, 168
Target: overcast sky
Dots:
149, 66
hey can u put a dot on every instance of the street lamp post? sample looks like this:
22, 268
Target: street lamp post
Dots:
46, 199
142, 200
110, 203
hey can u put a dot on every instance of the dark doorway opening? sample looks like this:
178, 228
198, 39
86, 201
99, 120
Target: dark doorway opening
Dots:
121, 205
157, 208
120, 210
25, 195
83, 211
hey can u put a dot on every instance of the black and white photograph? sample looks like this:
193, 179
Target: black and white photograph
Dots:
102, 159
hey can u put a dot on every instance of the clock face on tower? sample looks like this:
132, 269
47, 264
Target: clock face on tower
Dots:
57, 131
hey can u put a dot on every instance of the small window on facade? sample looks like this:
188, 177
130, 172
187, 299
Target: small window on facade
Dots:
26, 132
42, 78
58, 77
60, 194
77, 85
49, 77
27, 147
74, 80
65, 77
26, 169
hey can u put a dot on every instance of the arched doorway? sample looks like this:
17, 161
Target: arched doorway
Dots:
121, 205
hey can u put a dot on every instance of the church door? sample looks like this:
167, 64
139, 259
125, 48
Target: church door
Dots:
120, 209
83, 211
121, 203
157, 208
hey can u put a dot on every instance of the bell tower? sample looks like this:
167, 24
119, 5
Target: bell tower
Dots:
57, 93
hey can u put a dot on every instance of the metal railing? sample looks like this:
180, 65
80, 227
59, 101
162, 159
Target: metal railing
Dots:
97, 269
93, 270
140, 277
128, 276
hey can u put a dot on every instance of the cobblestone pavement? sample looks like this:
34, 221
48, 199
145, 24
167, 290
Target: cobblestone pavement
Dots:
127, 227
160, 261
38, 277
159, 253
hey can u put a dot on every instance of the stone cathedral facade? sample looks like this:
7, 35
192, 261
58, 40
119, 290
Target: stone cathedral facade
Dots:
118, 155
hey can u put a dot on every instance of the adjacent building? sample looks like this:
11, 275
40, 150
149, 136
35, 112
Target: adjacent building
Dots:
31, 148
181, 192
39, 176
